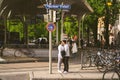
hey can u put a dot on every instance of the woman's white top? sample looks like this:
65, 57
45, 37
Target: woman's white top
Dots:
74, 48
60, 48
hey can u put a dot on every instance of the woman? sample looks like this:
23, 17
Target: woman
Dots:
60, 58
74, 48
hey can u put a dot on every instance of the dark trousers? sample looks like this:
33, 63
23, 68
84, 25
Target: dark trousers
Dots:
66, 64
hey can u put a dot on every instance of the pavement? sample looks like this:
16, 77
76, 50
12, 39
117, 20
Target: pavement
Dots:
38, 69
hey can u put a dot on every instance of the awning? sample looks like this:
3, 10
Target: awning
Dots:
33, 7
77, 6
21, 7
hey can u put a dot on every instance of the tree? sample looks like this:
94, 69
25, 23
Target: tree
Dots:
71, 26
92, 19
102, 8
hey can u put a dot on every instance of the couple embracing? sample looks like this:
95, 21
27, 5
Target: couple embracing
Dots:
63, 57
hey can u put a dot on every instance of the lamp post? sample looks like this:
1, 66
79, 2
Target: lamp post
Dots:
83, 17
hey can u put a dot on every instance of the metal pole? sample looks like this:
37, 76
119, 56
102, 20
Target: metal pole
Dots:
5, 29
79, 32
62, 25
56, 32
50, 40
83, 23
50, 52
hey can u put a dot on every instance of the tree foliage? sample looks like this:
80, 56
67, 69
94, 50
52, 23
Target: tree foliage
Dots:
102, 8
71, 26
34, 30
92, 19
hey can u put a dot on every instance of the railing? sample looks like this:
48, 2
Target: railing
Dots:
43, 46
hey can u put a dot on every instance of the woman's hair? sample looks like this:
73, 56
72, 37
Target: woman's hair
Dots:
60, 42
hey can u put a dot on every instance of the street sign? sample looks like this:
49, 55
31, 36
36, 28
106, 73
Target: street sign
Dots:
55, 6
50, 26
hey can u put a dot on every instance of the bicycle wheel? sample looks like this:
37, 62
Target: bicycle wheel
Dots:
102, 68
111, 75
17, 53
92, 60
85, 60
99, 64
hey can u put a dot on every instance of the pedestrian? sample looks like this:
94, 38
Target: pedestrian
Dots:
82, 43
66, 57
60, 58
112, 43
74, 48
70, 44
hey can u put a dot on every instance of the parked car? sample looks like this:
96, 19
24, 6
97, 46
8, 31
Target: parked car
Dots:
41, 40
1, 43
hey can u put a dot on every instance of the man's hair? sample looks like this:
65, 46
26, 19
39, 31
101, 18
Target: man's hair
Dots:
64, 41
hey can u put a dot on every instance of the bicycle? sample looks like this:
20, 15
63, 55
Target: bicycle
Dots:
113, 73
88, 58
24, 52
103, 60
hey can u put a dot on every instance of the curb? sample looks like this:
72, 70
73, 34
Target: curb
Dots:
62, 79
23, 60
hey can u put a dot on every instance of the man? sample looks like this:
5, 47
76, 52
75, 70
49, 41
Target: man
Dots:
66, 58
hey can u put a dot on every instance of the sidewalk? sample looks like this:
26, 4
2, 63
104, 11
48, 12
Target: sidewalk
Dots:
75, 73
39, 70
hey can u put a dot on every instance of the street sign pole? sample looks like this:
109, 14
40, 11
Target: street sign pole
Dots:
50, 27
50, 52
50, 41
50, 7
